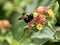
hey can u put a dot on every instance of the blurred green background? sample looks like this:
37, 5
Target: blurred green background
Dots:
11, 10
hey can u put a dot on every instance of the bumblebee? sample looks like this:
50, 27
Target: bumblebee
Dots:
27, 17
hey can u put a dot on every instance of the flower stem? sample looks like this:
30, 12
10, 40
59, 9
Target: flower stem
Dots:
51, 27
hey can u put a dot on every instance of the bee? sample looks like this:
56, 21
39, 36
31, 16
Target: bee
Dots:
27, 17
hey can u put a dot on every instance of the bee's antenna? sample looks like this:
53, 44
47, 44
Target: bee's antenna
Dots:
20, 18
24, 13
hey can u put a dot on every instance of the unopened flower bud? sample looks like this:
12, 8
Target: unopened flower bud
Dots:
6, 23
1, 25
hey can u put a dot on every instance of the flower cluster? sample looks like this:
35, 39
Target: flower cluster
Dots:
5, 24
40, 17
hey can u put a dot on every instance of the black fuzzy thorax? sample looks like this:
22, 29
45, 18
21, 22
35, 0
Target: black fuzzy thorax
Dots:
30, 17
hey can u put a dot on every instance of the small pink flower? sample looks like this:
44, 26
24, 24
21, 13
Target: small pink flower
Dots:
46, 8
1, 25
39, 12
29, 27
6, 23
42, 16
42, 21
36, 20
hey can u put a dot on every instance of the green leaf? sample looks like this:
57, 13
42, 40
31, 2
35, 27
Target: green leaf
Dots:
27, 41
14, 42
31, 7
45, 33
47, 2
57, 36
38, 41
2, 38
8, 8
55, 7
8, 37
18, 30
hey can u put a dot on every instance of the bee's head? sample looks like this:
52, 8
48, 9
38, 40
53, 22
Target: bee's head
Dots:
27, 17
24, 15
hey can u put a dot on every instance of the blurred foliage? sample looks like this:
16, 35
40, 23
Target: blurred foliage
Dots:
12, 9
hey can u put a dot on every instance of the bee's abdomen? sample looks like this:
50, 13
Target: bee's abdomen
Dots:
30, 17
